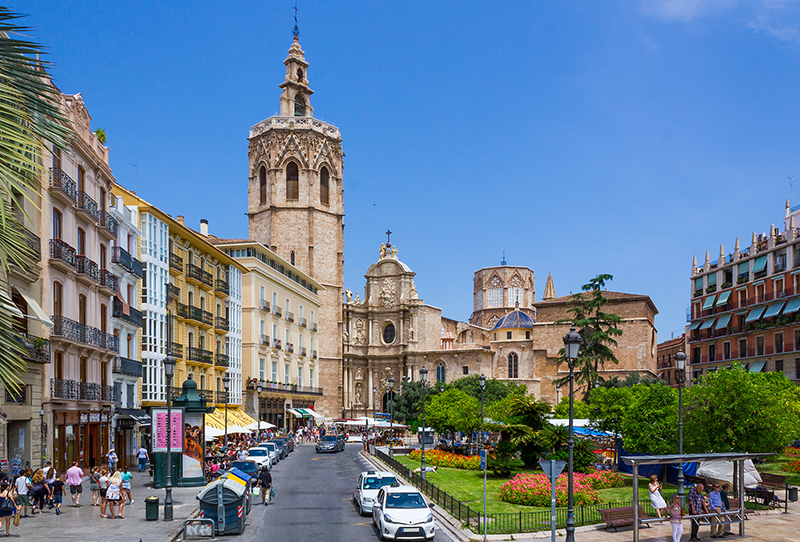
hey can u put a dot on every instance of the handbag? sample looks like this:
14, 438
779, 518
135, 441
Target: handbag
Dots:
16, 519
271, 493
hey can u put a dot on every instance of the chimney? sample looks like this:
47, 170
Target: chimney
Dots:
204, 227
180, 220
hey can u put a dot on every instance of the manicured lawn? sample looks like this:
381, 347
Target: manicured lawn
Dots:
775, 464
467, 486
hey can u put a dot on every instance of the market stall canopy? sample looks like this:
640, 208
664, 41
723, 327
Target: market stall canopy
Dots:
294, 413
236, 416
256, 427
310, 413
234, 429
213, 432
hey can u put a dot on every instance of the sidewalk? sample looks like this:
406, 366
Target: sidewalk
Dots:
85, 524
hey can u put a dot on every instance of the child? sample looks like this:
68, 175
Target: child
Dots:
58, 492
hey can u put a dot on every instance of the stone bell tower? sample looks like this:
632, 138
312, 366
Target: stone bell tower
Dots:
296, 207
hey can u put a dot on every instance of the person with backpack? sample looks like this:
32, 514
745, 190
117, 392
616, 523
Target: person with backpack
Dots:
265, 481
94, 485
7, 505
38, 491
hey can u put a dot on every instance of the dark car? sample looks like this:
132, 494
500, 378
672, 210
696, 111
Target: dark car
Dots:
288, 442
340, 440
247, 466
282, 451
328, 444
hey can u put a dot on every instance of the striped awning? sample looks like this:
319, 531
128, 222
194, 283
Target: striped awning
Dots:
755, 314
235, 417
709, 302
774, 309
723, 298
708, 323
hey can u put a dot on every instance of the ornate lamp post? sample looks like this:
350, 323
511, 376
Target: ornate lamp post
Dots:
169, 372
391, 413
572, 344
226, 383
680, 375
259, 389
482, 381
423, 374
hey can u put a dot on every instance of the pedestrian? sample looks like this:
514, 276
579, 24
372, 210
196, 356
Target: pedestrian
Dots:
114, 494
74, 479
38, 491
126, 486
112, 458
94, 485
655, 494
7, 505
103, 490
265, 480
727, 504
143, 458
49, 479
676, 518
58, 493
716, 505
697, 506
23, 486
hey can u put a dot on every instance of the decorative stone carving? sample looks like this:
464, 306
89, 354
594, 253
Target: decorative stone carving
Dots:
410, 332
359, 374
358, 393
349, 295
382, 251
394, 252
413, 294
388, 294
358, 299
361, 336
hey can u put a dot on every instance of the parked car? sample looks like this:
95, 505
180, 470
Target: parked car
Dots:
248, 466
262, 456
328, 444
402, 513
369, 483
288, 442
282, 448
341, 441
274, 451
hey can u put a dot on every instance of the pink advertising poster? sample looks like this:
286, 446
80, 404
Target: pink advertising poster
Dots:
159, 416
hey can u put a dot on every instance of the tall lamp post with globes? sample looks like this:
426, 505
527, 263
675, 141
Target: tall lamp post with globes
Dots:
226, 383
680, 375
482, 381
391, 414
169, 372
423, 374
259, 389
572, 345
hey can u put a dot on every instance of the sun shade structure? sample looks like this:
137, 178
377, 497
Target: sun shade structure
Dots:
723, 298
709, 302
735, 516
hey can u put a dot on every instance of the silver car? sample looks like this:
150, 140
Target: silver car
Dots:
369, 483
261, 456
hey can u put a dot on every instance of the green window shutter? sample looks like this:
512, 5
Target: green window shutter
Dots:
698, 283
712, 279
760, 264
744, 268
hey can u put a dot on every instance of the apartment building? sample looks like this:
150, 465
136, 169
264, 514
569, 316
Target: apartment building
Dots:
186, 282
280, 335
126, 322
745, 305
78, 289
665, 359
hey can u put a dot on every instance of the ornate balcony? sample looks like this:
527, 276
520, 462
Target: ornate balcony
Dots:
133, 316
202, 356
34, 243
314, 326
37, 349
289, 316
108, 280
125, 366
222, 287
221, 397
199, 315
222, 360
63, 389
264, 304
176, 350
303, 322
276, 344
195, 273
175, 262
123, 258
88, 268
303, 352
290, 348
87, 205
265, 340
276, 311
74, 331
61, 251
108, 224
222, 324
62, 184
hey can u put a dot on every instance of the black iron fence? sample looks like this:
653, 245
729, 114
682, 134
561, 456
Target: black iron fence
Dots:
503, 523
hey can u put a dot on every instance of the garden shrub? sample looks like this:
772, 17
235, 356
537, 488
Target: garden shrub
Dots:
438, 458
792, 466
534, 489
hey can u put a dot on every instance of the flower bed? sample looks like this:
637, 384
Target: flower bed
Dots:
792, 466
792, 452
438, 458
534, 489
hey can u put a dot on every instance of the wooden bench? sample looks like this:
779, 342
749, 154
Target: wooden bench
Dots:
619, 517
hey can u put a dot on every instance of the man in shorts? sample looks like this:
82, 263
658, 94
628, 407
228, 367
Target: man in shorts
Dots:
74, 481
23, 485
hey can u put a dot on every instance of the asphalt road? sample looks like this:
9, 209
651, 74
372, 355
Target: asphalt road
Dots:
313, 500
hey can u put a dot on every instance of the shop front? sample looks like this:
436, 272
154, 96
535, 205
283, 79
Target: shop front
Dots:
81, 436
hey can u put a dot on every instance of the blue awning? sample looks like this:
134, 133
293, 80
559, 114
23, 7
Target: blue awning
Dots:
709, 302
744, 268
695, 325
723, 298
723, 321
708, 323
774, 309
760, 264
755, 314
757, 366
792, 306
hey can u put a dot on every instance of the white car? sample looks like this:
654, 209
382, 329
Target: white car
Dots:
274, 452
401, 512
369, 483
260, 456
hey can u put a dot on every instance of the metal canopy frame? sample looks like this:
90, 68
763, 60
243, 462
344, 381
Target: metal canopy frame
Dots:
736, 516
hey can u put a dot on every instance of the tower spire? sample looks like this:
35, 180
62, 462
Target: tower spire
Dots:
296, 31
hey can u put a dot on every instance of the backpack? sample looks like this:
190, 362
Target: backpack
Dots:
7, 505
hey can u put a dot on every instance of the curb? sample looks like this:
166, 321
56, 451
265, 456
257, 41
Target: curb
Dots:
178, 534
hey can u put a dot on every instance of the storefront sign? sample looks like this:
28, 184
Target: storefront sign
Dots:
194, 443
159, 416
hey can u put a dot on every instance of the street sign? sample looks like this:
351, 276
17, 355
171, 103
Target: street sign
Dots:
483, 459
552, 468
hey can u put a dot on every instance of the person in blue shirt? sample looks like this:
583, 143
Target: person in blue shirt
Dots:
716, 505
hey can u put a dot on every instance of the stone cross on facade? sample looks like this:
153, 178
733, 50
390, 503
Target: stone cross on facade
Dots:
388, 238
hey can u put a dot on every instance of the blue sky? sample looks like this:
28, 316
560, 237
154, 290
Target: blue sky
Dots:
579, 137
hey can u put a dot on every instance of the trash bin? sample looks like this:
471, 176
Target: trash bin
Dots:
223, 501
243, 478
793, 494
151, 508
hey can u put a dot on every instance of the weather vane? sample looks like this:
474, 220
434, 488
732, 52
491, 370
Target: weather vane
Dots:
296, 31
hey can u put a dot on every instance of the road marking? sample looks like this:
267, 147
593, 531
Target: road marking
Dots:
348, 499
316, 458
364, 523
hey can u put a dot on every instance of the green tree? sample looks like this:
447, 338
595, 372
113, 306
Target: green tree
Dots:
597, 330
609, 407
580, 409
29, 117
629, 381
733, 410
501, 411
453, 410
650, 423
526, 423
496, 390
408, 404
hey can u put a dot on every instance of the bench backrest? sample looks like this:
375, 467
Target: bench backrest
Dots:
773, 480
623, 512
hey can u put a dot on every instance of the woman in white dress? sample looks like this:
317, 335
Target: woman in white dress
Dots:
655, 495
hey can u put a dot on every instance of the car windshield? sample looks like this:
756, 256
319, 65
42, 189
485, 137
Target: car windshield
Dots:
278, 443
328, 439
270, 447
246, 466
258, 453
404, 500
373, 482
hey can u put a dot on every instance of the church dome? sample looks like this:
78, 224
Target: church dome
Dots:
515, 319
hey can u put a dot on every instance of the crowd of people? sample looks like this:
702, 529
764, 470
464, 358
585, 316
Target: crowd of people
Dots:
715, 501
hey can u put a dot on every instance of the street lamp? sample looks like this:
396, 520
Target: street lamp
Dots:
680, 375
423, 374
482, 380
391, 413
43, 428
572, 344
259, 389
169, 372
226, 383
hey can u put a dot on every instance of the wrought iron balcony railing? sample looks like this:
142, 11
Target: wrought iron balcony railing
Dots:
107, 222
194, 272
175, 261
38, 349
108, 279
200, 355
63, 389
86, 204
60, 250
125, 366
123, 258
303, 322
222, 323
176, 350
75, 331
63, 182
290, 316
88, 268
133, 316
222, 360
223, 287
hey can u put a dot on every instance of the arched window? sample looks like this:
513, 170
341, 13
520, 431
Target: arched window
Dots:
513, 365
300, 74
324, 182
57, 223
495, 292
299, 105
440, 373
292, 181
262, 184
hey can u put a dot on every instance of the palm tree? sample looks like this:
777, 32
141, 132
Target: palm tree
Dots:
30, 118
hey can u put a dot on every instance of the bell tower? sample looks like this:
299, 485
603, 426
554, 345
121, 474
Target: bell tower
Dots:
296, 207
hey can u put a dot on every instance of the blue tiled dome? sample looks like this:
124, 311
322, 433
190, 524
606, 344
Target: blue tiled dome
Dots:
515, 319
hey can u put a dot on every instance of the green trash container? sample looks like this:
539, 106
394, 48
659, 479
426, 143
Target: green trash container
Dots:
151, 508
